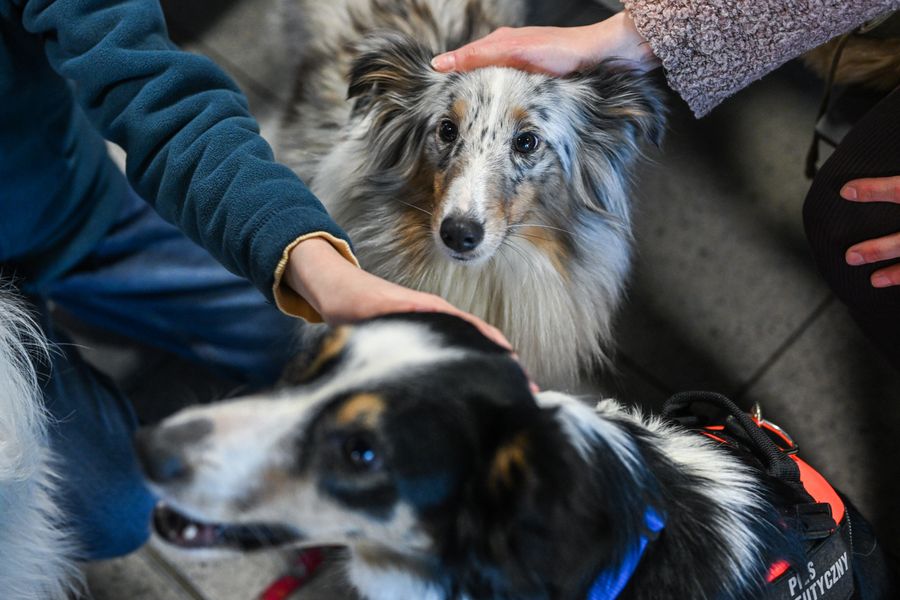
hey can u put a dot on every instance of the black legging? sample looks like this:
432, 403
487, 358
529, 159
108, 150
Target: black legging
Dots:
871, 149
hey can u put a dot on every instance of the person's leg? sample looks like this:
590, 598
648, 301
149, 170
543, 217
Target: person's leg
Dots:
100, 488
147, 281
871, 149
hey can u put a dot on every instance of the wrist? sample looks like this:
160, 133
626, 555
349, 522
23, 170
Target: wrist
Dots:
310, 266
619, 37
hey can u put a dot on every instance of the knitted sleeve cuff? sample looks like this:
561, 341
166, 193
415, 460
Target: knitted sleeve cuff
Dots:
286, 299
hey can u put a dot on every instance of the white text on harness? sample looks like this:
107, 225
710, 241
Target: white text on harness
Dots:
813, 587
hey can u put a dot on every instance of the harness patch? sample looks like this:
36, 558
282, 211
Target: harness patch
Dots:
815, 587
828, 574
821, 521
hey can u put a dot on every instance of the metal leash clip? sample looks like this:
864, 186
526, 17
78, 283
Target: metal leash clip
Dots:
778, 435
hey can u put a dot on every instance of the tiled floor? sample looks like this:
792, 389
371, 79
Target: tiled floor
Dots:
724, 295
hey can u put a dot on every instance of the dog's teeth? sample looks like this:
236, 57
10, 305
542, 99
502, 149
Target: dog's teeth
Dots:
190, 532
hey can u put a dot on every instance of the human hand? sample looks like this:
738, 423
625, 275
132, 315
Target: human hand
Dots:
878, 189
554, 50
343, 293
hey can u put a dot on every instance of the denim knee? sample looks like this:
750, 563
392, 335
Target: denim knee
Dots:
114, 524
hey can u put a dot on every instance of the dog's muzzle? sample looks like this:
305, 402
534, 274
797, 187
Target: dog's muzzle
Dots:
161, 452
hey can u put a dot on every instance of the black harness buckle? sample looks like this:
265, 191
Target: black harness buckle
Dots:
815, 520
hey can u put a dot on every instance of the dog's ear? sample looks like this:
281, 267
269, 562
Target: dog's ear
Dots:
390, 81
510, 511
390, 67
533, 504
620, 112
318, 349
623, 101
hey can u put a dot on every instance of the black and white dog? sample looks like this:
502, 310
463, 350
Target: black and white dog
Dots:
504, 192
416, 443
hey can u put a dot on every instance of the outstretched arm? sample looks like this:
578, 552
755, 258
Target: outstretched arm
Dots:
709, 49
195, 153
193, 150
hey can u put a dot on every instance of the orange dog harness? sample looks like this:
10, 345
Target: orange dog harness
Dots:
821, 519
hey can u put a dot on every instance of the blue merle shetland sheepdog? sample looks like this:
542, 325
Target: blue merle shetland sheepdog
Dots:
504, 192
418, 445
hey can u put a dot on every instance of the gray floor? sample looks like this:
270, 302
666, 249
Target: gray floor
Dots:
723, 295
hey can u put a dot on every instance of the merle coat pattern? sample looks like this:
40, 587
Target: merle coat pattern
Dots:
502, 191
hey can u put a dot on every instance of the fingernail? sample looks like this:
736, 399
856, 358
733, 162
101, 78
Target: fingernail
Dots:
880, 281
855, 258
443, 62
849, 193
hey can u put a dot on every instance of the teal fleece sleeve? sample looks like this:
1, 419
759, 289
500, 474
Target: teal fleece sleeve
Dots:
194, 151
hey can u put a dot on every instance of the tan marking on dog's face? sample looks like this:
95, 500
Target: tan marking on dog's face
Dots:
413, 232
519, 114
413, 226
441, 183
439, 189
361, 408
509, 462
458, 110
520, 206
548, 242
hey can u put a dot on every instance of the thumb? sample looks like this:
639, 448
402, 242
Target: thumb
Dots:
444, 62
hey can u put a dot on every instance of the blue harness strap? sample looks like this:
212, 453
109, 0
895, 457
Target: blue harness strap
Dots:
610, 583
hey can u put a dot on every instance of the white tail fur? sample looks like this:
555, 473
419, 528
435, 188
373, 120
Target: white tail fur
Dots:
35, 552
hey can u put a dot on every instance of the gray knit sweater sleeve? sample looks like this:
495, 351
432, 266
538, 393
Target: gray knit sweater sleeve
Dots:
712, 48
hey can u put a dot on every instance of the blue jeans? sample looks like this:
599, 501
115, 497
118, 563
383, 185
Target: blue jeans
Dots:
145, 280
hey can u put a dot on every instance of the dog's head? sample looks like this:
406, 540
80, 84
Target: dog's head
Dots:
384, 421
498, 155
410, 438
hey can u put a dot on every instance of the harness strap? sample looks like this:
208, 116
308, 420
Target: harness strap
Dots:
698, 409
610, 583
823, 522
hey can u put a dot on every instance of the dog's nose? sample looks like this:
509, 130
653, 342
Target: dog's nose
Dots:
461, 234
161, 450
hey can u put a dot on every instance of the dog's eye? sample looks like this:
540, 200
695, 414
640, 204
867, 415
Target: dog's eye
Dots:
525, 143
447, 131
360, 453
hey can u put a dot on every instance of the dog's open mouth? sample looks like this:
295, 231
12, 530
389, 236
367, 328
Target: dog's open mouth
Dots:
186, 532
